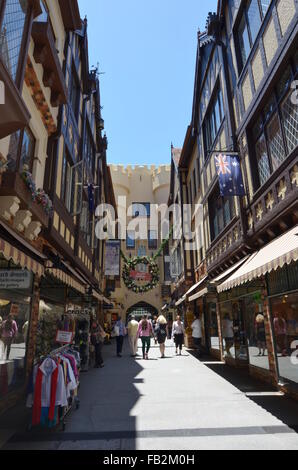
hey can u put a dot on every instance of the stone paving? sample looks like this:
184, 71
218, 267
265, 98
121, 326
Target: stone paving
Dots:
177, 403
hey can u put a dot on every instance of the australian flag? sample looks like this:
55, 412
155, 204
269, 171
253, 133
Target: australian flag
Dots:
230, 175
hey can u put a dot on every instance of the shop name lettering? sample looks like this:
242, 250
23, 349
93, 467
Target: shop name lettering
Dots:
2, 93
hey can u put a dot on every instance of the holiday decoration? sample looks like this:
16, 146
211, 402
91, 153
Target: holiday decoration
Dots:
130, 278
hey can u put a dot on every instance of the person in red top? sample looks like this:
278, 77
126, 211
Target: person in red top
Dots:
9, 331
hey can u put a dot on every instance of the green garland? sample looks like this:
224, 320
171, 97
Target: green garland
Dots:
130, 283
130, 265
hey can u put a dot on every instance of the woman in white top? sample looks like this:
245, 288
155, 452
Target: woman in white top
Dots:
178, 333
197, 333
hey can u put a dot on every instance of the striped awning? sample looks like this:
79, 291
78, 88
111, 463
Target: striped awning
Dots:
19, 258
68, 280
283, 250
193, 288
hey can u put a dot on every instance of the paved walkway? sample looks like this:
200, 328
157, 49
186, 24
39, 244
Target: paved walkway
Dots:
174, 403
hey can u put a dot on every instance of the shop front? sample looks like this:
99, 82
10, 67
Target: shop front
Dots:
16, 290
245, 327
282, 288
258, 307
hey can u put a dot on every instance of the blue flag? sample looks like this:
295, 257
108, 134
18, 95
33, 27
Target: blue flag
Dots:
230, 175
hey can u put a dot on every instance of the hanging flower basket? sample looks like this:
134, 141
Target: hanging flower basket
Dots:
130, 266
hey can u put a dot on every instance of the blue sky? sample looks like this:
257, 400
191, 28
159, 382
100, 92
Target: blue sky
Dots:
147, 50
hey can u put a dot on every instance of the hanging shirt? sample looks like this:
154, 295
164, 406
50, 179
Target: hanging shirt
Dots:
197, 329
178, 329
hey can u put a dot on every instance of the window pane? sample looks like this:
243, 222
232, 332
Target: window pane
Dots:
27, 151
263, 160
275, 141
12, 32
244, 41
12, 155
290, 122
265, 5
217, 115
254, 19
227, 211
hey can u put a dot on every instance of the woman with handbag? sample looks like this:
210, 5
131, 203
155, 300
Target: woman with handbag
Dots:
162, 333
97, 339
178, 334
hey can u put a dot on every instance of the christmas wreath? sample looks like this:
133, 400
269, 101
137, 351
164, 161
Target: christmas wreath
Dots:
131, 264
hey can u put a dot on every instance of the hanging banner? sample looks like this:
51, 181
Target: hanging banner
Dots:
112, 258
230, 175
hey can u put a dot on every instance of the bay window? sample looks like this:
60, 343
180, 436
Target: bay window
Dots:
222, 211
12, 32
21, 151
276, 130
249, 27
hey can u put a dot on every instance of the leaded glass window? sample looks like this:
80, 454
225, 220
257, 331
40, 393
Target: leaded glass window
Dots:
11, 33
263, 160
290, 122
275, 141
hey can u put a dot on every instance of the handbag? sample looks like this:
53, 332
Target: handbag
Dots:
116, 331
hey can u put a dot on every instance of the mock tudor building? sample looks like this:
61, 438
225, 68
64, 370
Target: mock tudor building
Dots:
53, 175
245, 264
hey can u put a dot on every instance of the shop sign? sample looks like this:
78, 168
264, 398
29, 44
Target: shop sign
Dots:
15, 279
64, 337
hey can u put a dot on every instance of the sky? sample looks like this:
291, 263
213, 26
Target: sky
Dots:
146, 51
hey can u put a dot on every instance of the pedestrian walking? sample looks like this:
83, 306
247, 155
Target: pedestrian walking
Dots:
145, 332
9, 331
161, 333
97, 339
119, 333
178, 334
132, 329
197, 333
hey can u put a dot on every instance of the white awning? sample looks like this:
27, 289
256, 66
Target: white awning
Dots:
198, 295
181, 301
230, 270
283, 250
196, 286
164, 307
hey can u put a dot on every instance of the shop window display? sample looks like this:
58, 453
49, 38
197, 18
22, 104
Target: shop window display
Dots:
233, 330
255, 331
213, 326
285, 327
14, 327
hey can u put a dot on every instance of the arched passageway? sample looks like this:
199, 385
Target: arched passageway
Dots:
140, 309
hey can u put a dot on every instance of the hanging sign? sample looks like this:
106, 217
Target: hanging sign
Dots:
64, 337
15, 279
112, 258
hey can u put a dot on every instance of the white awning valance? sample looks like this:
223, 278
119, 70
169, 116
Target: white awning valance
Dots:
283, 250
198, 295
230, 270
181, 301
196, 285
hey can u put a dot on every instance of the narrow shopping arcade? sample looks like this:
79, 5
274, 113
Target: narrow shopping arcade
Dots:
175, 403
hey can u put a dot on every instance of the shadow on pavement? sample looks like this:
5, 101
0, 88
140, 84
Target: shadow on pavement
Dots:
265, 395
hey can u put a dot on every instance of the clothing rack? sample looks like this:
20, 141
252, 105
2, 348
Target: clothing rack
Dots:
76, 401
